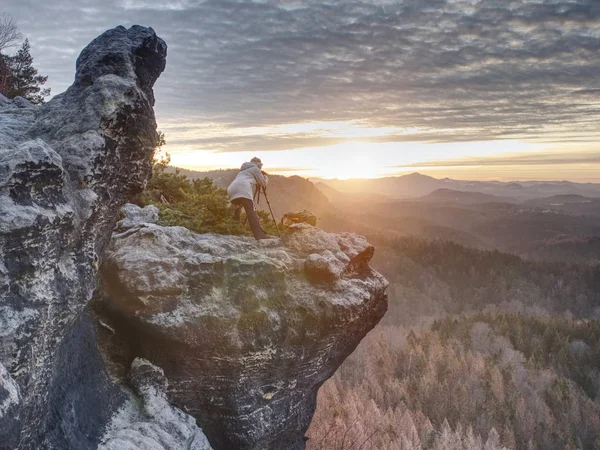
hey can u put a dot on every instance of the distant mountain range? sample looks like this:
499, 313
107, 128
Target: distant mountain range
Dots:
572, 204
561, 200
338, 197
518, 218
418, 185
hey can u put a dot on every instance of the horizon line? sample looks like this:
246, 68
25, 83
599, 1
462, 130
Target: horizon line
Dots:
399, 175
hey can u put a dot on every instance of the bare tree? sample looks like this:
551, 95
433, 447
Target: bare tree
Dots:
9, 32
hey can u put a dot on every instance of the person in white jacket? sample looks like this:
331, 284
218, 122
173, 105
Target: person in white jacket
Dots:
242, 189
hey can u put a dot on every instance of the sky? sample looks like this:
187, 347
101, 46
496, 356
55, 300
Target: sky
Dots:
470, 89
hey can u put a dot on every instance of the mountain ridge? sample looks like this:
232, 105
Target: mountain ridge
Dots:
418, 185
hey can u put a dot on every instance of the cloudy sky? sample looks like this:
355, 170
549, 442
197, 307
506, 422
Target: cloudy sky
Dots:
474, 89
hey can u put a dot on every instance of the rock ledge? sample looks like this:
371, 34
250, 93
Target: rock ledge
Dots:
245, 331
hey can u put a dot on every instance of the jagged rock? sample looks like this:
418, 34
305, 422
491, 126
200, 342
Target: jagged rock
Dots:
244, 333
323, 267
66, 167
156, 424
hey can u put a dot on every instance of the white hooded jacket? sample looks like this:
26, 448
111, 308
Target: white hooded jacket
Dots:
245, 182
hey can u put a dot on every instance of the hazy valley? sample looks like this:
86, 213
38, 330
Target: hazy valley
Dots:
491, 339
558, 225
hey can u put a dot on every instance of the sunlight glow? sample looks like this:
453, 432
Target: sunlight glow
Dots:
350, 159
362, 153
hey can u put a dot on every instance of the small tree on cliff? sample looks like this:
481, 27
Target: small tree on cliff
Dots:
9, 37
20, 78
5, 77
160, 159
9, 32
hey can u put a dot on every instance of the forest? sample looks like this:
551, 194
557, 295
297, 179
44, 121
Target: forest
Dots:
487, 380
478, 349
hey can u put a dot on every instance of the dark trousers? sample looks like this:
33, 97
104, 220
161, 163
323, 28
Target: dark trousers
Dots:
253, 220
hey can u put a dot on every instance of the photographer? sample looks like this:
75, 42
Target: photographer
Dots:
241, 192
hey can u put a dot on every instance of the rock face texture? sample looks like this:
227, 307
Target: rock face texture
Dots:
66, 168
156, 424
245, 331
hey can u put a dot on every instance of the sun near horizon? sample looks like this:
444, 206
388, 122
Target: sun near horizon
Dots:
500, 160
355, 149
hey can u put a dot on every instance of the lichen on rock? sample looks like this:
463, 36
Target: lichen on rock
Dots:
10, 408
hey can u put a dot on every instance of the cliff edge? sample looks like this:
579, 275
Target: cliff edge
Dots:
246, 331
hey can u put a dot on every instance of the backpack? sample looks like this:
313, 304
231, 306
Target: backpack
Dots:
303, 216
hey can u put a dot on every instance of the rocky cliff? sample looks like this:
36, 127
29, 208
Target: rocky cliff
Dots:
66, 168
185, 330
245, 331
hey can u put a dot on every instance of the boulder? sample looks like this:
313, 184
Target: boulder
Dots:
246, 331
66, 168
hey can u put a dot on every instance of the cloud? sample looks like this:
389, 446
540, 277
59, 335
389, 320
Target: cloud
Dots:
487, 69
288, 169
513, 160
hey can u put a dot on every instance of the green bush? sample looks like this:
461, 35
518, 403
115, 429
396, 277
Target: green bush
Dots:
195, 204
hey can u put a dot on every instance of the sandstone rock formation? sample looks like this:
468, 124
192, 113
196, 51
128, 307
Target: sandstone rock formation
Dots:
66, 168
246, 331
238, 333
